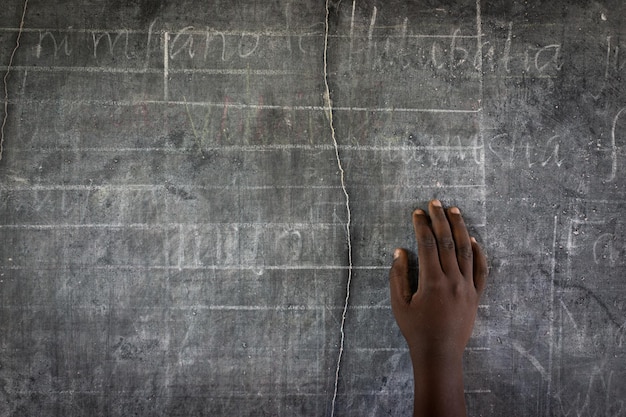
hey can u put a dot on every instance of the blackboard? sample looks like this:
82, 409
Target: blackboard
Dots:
188, 190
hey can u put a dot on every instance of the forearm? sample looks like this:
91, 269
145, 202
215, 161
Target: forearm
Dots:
439, 389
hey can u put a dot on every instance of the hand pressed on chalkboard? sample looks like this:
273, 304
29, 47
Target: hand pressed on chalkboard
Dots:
437, 320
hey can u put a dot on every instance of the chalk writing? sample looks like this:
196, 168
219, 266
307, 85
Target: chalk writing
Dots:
231, 122
56, 45
243, 41
192, 47
198, 48
97, 37
446, 148
550, 153
509, 149
177, 45
530, 58
614, 147
612, 69
605, 249
601, 240
455, 52
187, 165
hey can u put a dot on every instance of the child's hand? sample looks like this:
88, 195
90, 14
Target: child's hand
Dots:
437, 319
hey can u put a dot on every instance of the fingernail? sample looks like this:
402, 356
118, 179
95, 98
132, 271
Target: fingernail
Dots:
396, 254
419, 212
436, 203
455, 210
473, 240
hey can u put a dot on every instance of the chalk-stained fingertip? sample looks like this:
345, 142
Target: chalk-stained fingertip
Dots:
400, 257
419, 212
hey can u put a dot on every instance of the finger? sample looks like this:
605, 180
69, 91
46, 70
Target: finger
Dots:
462, 243
445, 241
399, 284
427, 254
480, 267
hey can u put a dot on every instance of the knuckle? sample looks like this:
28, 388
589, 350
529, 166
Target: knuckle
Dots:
458, 289
446, 242
464, 253
427, 242
462, 291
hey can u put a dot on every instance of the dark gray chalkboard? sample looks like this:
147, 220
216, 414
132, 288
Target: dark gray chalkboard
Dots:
173, 219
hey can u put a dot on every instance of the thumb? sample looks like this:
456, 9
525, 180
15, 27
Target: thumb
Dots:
399, 284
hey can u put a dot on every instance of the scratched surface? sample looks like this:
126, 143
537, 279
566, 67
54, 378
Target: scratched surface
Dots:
174, 224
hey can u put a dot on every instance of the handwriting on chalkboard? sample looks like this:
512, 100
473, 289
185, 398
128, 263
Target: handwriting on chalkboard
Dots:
459, 52
188, 43
511, 148
56, 45
111, 41
605, 249
199, 47
599, 240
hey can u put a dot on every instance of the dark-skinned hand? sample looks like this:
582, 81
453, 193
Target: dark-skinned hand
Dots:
437, 320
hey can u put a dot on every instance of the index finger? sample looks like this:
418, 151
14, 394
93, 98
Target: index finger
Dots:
443, 234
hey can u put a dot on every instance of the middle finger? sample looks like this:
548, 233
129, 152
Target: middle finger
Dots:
443, 234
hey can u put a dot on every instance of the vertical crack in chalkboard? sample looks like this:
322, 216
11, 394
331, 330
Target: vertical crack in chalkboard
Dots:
329, 113
6, 77
481, 114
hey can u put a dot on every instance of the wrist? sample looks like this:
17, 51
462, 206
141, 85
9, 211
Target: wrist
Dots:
434, 365
436, 357
439, 388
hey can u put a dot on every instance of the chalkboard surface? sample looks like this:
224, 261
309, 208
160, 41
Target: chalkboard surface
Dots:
188, 190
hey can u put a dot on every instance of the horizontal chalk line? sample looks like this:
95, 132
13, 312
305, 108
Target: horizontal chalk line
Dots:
525, 77
159, 71
293, 32
198, 307
164, 226
264, 148
600, 201
158, 187
186, 187
325, 109
361, 349
238, 33
579, 222
229, 394
234, 105
254, 268
188, 226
